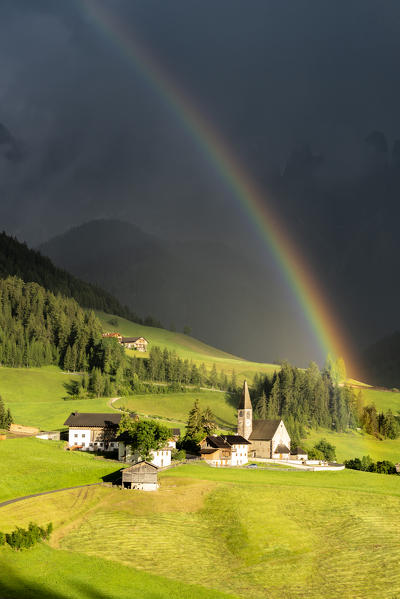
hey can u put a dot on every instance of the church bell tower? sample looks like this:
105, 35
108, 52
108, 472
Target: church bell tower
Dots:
245, 414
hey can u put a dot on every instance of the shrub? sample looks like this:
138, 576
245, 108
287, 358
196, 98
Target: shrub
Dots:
315, 454
178, 454
22, 538
328, 450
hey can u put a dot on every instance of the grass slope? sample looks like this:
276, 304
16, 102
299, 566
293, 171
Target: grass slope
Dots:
36, 396
49, 574
32, 465
253, 534
185, 346
176, 406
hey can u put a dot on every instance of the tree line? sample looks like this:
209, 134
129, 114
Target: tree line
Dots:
16, 259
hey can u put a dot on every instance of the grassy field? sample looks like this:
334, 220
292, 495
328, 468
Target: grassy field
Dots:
36, 397
49, 574
186, 347
177, 405
354, 444
248, 533
32, 465
383, 400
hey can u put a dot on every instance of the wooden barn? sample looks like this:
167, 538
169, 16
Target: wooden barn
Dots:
141, 476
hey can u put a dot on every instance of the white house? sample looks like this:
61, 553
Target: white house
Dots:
224, 450
93, 431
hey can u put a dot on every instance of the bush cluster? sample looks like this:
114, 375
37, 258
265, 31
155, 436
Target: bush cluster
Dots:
367, 465
24, 538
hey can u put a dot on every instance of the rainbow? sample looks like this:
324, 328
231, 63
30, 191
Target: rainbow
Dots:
292, 265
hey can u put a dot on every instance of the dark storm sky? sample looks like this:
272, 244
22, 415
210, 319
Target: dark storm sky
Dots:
91, 139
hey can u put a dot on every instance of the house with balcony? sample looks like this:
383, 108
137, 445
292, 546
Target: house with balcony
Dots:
224, 450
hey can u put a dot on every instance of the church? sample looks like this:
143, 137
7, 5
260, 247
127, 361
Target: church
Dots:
267, 438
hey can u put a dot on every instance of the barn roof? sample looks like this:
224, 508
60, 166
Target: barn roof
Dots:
235, 440
245, 403
140, 465
207, 450
264, 430
92, 419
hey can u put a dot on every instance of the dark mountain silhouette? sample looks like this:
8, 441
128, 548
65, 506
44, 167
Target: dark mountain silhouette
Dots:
16, 259
225, 300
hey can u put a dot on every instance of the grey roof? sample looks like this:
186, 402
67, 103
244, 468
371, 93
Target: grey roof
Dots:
207, 451
92, 419
281, 449
264, 430
236, 440
175, 432
298, 451
131, 339
245, 402
140, 465
217, 441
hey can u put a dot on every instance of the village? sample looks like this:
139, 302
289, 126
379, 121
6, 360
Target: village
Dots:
258, 441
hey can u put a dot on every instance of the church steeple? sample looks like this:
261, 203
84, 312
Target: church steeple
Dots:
245, 413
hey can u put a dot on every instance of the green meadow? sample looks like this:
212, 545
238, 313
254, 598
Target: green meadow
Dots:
30, 465
36, 397
241, 533
185, 346
176, 406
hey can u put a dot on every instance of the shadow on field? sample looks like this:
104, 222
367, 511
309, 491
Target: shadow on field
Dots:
14, 586
114, 477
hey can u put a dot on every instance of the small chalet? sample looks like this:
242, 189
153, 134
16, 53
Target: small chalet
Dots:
93, 432
138, 343
141, 476
224, 450
116, 336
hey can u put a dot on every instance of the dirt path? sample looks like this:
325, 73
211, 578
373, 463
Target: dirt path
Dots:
111, 401
3, 503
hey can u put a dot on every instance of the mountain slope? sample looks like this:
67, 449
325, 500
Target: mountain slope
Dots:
16, 259
227, 300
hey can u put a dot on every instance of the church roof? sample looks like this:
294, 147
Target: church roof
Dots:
245, 402
281, 449
264, 430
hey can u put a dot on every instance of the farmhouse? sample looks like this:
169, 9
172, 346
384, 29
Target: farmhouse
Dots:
141, 476
224, 450
92, 432
138, 343
116, 336
267, 438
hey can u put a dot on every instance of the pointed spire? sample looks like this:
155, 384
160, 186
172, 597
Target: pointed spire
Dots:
245, 402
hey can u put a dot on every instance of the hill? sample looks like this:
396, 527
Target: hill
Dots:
16, 259
185, 345
296, 534
224, 297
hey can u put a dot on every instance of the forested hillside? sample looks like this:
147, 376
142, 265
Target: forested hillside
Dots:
16, 259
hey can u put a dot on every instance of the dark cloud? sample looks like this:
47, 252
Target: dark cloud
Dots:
91, 138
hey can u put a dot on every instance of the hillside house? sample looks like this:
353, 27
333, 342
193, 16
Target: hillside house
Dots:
93, 432
116, 336
267, 438
137, 343
224, 450
161, 457
141, 476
